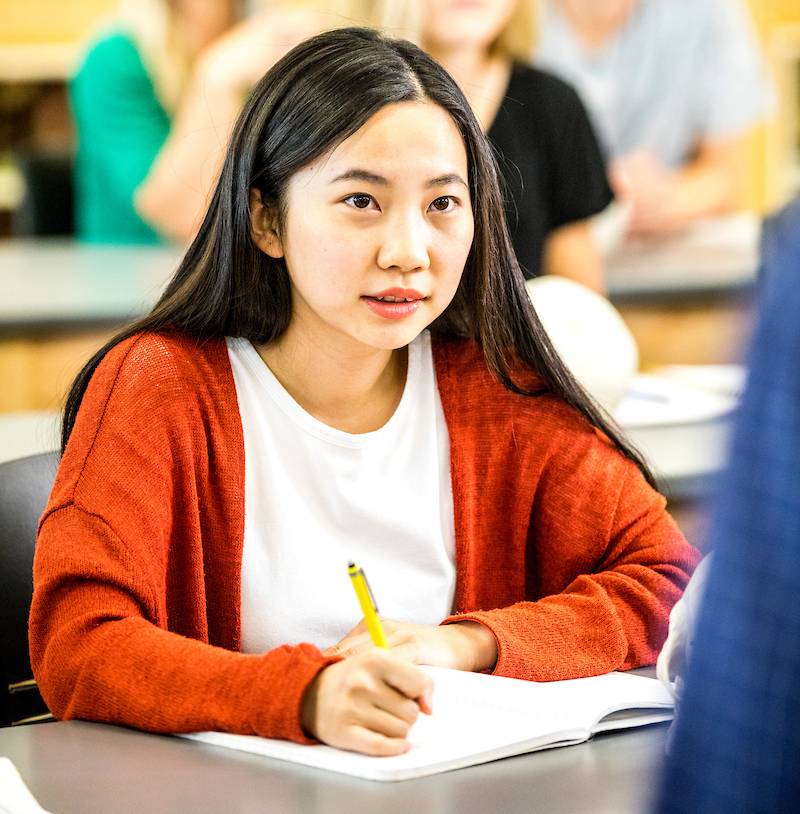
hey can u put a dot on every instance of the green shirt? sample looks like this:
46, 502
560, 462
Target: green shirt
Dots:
121, 127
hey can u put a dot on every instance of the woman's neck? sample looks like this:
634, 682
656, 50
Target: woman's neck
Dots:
355, 392
597, 21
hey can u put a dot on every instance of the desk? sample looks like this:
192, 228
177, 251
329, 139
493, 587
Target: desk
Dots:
23, 434
713, 256
84, 768
58, 284
689, 300
62, 283
59, 302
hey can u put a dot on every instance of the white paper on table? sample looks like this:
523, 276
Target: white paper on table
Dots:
15, 797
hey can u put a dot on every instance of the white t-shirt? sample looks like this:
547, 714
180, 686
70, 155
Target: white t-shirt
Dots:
316, 497
677, 72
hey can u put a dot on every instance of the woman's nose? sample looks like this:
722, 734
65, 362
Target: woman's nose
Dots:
405, 244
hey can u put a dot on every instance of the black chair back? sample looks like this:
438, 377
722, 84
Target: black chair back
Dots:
47, 206
25, 485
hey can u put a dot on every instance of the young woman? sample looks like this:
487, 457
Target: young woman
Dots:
345, 366
553, 173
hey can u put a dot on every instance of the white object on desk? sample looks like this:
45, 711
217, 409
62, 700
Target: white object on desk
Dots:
15, 798
726, 380
681, 428
28, 433
589, 334
478, 718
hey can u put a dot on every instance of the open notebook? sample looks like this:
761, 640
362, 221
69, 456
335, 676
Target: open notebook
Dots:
477, 718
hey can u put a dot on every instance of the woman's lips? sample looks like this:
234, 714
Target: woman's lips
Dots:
392, 310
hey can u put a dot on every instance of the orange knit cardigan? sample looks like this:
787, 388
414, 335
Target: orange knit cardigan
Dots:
562, 549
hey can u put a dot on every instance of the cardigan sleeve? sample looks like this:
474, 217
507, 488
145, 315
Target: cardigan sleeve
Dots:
612, 569
121, 607
97, 653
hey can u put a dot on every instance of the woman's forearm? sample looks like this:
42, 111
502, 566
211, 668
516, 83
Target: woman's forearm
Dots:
665, 202
571, 251
711, 183
175, 193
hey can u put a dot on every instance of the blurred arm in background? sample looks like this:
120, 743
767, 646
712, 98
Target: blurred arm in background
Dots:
154, 100
664, 201
673, 87
175, 193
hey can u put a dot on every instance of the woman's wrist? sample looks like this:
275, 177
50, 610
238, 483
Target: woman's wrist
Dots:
478, 650
308, 706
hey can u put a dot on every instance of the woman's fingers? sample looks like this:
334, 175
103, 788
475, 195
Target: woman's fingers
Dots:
396, 704
373, 743
376, 693
384, 723
399, 636
355, 641
410, 681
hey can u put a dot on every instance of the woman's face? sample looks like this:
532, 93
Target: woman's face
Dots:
376, 233
450, 24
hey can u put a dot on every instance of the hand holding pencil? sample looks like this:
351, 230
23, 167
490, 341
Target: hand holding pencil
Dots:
464, 645
368, 702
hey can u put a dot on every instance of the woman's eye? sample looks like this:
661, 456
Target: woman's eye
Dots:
360, 200
442, 204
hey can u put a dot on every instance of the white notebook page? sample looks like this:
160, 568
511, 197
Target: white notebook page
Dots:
478, 718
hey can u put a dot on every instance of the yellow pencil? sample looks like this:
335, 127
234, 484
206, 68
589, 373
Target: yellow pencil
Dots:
368, 606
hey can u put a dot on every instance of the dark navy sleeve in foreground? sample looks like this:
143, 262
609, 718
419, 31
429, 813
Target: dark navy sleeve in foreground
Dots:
736, 743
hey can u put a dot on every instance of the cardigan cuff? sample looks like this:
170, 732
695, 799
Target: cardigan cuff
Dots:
277, 699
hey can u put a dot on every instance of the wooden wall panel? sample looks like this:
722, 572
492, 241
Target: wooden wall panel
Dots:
37, 370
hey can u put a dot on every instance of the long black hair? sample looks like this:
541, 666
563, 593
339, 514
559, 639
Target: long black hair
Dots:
314, 98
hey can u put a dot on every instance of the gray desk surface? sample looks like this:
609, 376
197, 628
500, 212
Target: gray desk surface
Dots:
713, 257
82, 768
61, 283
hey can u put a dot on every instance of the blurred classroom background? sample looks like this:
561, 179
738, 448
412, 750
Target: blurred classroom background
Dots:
687, 300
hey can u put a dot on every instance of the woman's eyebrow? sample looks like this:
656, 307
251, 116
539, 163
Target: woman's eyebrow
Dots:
450, 178
361, 175
372, 178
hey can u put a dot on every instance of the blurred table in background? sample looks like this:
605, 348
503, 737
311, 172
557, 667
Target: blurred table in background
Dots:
689, 300
28, 433
61, 284
59, 302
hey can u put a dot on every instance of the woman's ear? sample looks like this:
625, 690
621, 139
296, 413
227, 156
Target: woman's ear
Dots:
264, 225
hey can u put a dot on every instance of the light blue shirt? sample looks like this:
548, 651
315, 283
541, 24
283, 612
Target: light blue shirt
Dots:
677, 73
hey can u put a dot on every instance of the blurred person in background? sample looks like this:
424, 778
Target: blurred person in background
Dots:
552, 167
154, 100
673, 87
736, 740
